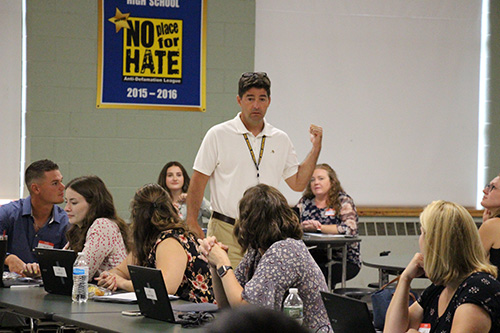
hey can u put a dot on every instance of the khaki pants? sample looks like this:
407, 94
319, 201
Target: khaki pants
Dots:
224, 233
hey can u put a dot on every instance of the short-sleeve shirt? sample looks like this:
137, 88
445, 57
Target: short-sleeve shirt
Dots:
479, 288
18, 223
196, 285
346, 221
225, 157
104, 247
267, 278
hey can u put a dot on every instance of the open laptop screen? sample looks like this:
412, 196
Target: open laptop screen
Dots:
347, 315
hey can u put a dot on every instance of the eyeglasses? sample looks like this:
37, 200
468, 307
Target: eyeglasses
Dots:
254, 74
490, 187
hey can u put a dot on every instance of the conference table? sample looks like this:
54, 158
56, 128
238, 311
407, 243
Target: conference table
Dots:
392, 264
330, 242
36, 303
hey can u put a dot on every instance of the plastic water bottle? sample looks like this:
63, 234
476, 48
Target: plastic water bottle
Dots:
293, 306
80, 292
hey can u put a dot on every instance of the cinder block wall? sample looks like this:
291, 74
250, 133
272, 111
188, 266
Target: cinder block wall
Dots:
126, 148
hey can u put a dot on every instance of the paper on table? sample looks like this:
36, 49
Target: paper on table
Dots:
128, 297
118, 297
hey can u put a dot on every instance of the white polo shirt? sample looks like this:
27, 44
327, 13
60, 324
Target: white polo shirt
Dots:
225, 157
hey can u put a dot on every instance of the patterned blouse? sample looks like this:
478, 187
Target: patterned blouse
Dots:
196, 286
104, 247
479, 288
287, 264
346, 221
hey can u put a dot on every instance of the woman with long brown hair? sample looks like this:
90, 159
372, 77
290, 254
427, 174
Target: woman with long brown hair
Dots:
95, 228
162, 241
275, 260
175, 180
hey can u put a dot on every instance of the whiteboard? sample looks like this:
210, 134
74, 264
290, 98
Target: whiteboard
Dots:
395, 85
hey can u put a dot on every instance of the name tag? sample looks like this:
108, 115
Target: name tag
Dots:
330, 212
150, 293
424, 328
45, 245
59, 271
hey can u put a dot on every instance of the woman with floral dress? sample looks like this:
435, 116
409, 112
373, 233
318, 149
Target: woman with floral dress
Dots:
276, 259
162, 241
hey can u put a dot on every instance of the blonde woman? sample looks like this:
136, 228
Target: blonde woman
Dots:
464, 295
490, 229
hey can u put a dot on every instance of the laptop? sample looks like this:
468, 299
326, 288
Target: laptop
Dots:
153, 299
56, 267
347, 315
15, 280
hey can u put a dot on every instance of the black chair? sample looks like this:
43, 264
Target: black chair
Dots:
359, 293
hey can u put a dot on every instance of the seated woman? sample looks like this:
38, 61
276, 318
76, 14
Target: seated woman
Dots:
463, 296
161, 241
325, 207
175, 180
95, 228
490, 229
277, 259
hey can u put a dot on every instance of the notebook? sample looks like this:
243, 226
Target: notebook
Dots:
153, 299
57, 269
16, 280
347, 315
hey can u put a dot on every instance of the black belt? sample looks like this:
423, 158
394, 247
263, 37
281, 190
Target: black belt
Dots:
223, 218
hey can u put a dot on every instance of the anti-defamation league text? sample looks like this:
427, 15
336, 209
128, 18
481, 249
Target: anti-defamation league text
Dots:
151, 79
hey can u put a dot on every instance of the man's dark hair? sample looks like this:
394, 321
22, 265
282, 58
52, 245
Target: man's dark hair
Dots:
251, 80
37, 170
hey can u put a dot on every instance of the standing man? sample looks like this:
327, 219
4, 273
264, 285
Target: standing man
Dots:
35, 221
241, 153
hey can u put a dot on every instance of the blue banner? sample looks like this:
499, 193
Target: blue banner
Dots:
152, 54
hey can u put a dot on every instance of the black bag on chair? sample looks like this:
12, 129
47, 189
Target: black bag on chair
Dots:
381, 300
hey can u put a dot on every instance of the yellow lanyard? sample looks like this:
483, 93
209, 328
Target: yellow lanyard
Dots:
262, 143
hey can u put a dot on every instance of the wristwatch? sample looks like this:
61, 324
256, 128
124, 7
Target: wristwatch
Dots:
222, 270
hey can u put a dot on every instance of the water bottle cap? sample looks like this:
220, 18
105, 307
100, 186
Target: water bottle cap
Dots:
293, 290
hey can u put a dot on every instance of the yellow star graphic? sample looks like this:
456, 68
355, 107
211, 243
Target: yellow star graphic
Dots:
120, 20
